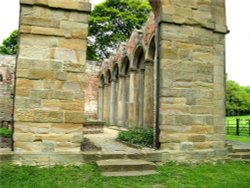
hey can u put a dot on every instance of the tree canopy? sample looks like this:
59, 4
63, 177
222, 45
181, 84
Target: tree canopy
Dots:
237, 99
112, 22
9, 45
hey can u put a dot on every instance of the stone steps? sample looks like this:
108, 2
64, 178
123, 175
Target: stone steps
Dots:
240, 155
126, 167
236, 152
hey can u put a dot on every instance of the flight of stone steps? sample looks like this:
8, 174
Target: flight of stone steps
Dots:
236, 152
126, 167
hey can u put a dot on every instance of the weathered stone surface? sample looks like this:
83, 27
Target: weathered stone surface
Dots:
74, 117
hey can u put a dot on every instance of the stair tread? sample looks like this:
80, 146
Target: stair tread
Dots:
120, 162
130, 173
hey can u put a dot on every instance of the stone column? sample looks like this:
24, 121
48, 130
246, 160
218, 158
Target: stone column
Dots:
112, 103
127, 91
49, 90
121, 96
106, 104
133, 98
100, 103
141, 97
148, 95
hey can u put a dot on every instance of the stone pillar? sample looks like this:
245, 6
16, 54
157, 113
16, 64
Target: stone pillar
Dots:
133, 98
140, 90
127, 93
112, 103
191, 57
49, 91
121, 96
148, 95
106, 105
100, 103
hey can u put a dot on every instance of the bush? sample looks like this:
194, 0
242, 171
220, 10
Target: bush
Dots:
140, 136
6, 133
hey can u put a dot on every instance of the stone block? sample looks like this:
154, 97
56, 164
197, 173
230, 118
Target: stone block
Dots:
39, 128
36, 21
65, 55
73, 44
28, 146
48, 116
202, 129
65, 128
74, 117
24, 84
23, 137
184, 119
72, 67
67, 147
35, 74
197, 138
186, 146
22, 92
202, 145
63, 95
173, 138
23, 115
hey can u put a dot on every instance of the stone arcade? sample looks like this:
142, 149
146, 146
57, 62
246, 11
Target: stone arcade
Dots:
169, 76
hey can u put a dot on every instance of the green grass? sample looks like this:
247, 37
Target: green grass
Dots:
230, 175
238, 138
233, 118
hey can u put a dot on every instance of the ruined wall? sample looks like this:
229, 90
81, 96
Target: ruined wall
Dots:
50, 77
7, 68
91, 89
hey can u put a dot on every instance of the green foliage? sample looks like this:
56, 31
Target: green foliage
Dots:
6, 133
237, 99
10, 44
140, 136
171, 175
112, 22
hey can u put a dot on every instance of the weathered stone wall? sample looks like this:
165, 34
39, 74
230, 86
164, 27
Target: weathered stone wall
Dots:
50, 77
7, 68
91, 89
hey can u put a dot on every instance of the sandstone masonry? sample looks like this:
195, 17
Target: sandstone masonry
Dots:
50, 77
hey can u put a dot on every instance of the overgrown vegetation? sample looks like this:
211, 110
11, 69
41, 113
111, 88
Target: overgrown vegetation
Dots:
6, 133
139, 136
9, 45
230, 175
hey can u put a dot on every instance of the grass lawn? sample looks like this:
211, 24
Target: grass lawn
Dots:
238, 138
232, 118
230, 175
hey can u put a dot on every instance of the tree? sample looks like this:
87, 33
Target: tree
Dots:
237, 99
10, 44
112, 22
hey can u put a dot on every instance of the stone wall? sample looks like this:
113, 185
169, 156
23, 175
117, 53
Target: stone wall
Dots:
50, 77
7, 69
